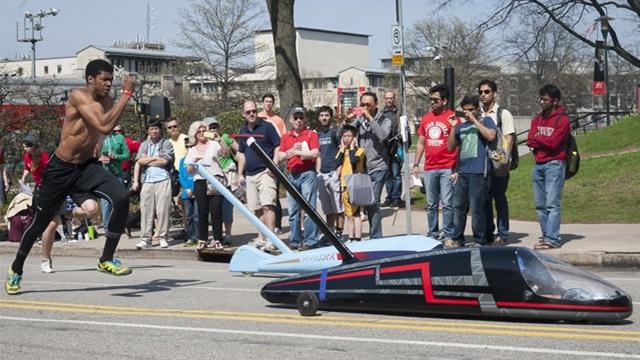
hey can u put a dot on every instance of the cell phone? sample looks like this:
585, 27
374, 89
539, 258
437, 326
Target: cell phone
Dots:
357, 111
209, 135
460, 113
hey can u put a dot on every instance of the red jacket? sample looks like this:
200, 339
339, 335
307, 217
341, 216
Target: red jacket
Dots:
548, 136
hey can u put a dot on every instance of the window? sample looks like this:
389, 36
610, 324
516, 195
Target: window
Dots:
46, 69
59, 69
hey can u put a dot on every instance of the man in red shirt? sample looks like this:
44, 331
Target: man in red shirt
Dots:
439, 163
300, 148
548, 140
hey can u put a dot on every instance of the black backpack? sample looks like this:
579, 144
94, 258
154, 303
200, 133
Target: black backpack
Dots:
573, 157
514, 155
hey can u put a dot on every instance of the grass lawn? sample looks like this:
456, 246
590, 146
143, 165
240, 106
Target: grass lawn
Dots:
605, 190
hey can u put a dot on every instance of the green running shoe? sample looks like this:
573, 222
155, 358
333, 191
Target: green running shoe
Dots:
12, 285
113, 267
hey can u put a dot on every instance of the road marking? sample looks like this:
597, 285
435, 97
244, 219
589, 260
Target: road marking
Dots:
150, 286
346, 322
298, 336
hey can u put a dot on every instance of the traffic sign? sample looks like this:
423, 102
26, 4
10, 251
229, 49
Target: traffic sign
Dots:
396, 39
397, 59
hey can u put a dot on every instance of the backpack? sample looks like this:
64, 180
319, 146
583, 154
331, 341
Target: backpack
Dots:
514, 156
498, 155
573, 157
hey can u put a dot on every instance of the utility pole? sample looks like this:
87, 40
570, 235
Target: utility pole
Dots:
398, 59
36, 32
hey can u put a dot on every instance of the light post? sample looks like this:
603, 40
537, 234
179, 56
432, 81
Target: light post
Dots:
36, 32
604, 28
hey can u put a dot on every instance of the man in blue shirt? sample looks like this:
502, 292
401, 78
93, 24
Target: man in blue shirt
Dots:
261, 185
328, 179
472, 136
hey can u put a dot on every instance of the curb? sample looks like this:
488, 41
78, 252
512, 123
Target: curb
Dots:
589, 259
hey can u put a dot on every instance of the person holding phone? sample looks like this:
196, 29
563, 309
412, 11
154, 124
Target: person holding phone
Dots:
472, 137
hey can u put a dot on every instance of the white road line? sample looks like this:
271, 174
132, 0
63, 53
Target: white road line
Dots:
159, 285
297, 336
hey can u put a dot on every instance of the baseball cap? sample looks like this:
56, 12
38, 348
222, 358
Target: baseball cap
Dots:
210, 120
31, 139
297, 110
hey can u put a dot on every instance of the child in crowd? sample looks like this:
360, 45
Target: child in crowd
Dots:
188, 199
352, 161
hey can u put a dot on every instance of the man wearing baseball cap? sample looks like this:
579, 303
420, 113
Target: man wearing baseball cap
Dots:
300, 148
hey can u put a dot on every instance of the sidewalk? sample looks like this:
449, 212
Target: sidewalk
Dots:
585, 244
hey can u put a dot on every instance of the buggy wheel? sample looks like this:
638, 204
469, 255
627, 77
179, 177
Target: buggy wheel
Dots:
308, 303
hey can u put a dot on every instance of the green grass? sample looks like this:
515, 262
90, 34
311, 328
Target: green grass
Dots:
605, 190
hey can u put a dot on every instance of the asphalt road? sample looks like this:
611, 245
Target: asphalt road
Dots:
174, 309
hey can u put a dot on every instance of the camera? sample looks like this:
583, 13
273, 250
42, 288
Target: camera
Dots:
209, 135
460, 114
357, 111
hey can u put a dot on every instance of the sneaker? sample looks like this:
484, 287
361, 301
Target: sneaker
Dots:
113, 267
46, 266
294, 246
306, 247
386, 203
270, 248
190, 243
12, 285
143, 244
257, 242
226, 240
500, 242
399, 204
277, 231
450, 244
164, 244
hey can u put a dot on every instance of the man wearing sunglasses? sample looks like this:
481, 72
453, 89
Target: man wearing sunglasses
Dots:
261, 185
487, 90
439, 162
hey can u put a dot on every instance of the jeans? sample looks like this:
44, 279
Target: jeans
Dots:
439, 186
191, 211
378, 178
105, 206
394, 183
306, 183
498, 194
471, 190
548, 181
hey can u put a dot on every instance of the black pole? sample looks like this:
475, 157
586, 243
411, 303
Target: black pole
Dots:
449, 82
347, 255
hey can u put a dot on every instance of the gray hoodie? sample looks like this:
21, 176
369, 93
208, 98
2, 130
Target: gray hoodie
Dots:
372, 136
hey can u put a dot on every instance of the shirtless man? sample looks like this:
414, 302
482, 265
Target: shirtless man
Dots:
90, 115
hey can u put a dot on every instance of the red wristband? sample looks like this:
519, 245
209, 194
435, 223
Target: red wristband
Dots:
127, 93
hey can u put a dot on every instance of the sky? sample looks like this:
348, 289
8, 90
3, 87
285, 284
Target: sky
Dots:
84, 22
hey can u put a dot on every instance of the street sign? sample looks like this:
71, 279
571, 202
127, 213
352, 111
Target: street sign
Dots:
396, 39
397, 57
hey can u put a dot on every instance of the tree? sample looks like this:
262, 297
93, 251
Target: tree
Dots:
220, 32
570, 15
288, 81
434, 44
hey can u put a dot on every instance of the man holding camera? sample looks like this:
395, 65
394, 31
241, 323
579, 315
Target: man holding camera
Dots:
472, 136
374, 129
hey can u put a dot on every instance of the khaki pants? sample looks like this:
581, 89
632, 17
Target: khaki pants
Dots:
155, 199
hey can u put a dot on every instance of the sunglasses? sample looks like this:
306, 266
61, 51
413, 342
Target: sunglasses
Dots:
213, 127
117, 131
298, 117
172, 127
484, 92
250, 112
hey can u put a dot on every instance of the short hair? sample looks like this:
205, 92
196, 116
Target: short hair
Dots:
550, 90
154, 123
193, 130
94, 67
490, 83
372, 94
350, 128
268, 95
173, 118
470, 100
442, 90
326, 108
